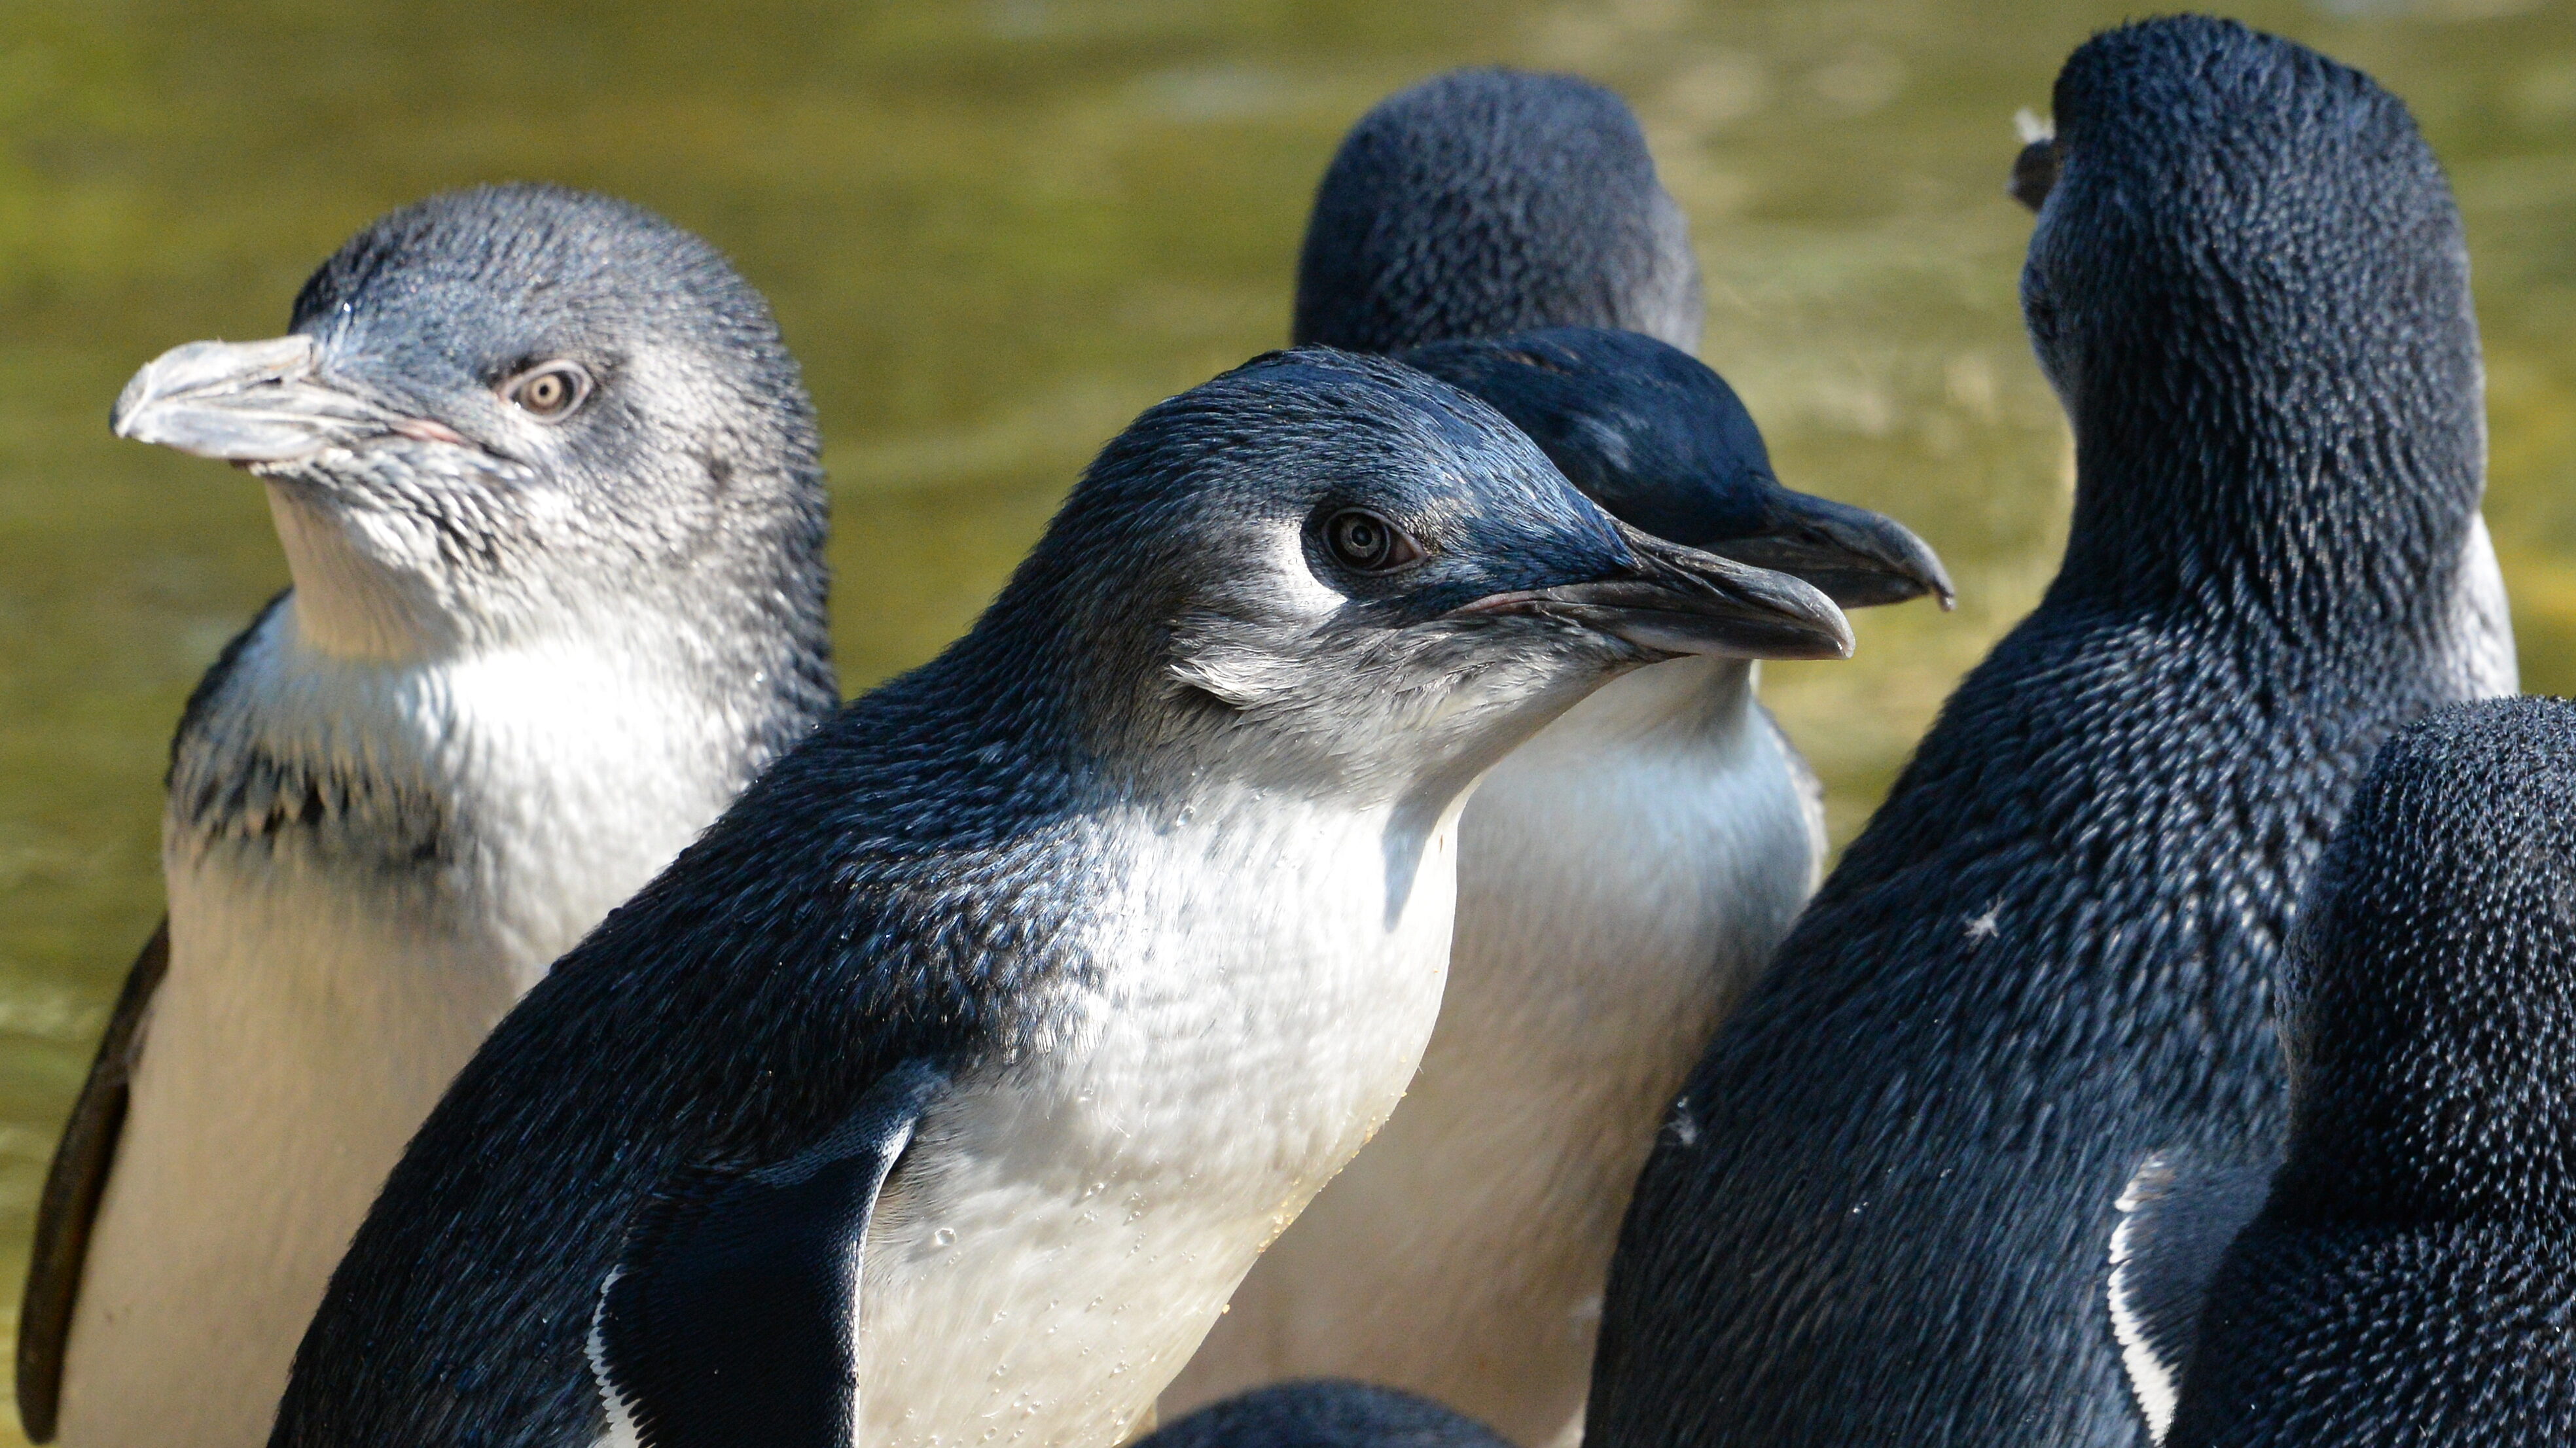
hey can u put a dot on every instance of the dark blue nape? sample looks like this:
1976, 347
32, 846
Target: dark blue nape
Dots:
1646, 429
1658, 439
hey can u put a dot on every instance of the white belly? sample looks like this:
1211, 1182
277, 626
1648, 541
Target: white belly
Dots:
1624, 876
294, 1047
314, 1010
1060, 1237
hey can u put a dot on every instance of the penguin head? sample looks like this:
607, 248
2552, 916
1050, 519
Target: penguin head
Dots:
2431, 1001
1482, 202
1651, 434
504, 408
2249, 288
1328, 566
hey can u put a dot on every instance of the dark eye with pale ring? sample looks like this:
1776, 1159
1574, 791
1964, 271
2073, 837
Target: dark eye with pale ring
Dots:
1363, 542
549, 391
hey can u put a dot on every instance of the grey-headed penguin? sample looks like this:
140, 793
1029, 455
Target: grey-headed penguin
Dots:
2410, 1276
547, 485
1878, 1211
1626, 872
945, 1088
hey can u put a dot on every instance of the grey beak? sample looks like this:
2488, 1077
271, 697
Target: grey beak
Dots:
1677, 600
251, 402
1859, 558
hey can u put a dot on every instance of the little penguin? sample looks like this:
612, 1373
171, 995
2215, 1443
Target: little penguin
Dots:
1877, 1212
1626, 872
945, 1088
548, 487
2409, 1276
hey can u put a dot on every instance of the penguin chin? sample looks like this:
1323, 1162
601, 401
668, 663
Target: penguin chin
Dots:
396, 562
1425, 699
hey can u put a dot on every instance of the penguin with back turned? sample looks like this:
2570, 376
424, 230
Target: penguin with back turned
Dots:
2411, 1276
944, 1089
550, 496
1623, 874
1878, 1211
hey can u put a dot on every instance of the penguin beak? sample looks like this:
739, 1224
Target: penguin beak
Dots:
2034, 172
1675, 600
1859, 558
254, 402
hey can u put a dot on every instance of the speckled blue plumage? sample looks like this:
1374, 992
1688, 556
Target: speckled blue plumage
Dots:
2412, 1280
1879, 1213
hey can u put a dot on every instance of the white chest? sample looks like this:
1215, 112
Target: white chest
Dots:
1622, 877
328, 979
1061, 1235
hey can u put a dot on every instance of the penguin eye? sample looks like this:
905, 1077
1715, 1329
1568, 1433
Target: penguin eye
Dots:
549, 391
1366, 543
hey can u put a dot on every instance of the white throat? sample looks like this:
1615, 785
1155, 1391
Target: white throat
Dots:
1623, 876
1270, 970
371, 852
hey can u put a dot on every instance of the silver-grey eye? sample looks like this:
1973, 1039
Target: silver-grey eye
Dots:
549, 391
1366, 543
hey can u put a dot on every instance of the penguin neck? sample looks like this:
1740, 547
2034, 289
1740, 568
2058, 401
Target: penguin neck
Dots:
533, 784
2278, 482
354, 606
2328, 545
1679, 698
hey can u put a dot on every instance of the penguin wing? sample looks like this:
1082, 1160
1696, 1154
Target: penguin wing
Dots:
732, 1318
73, 1188
2177, 1215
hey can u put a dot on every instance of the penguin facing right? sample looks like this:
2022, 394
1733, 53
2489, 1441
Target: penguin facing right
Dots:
1623, 875
1877, 1213
2412, 1277
943, 1090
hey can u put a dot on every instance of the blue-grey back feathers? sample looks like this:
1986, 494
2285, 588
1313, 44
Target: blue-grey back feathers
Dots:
2050, 952
2412, 1276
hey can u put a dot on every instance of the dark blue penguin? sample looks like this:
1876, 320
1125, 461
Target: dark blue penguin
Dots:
2412, 1277
1877, 1214
944, 1090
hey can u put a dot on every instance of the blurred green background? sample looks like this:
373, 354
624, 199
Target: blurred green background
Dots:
995, 231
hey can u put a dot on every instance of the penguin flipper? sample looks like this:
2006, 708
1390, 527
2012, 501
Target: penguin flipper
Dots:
732, 1318
2177, 1216
74, 1186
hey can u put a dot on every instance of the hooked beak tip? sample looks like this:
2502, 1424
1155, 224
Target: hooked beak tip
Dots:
255, 403
1860, 559
1671, 600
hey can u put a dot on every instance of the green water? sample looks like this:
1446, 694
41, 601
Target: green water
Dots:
995, 231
